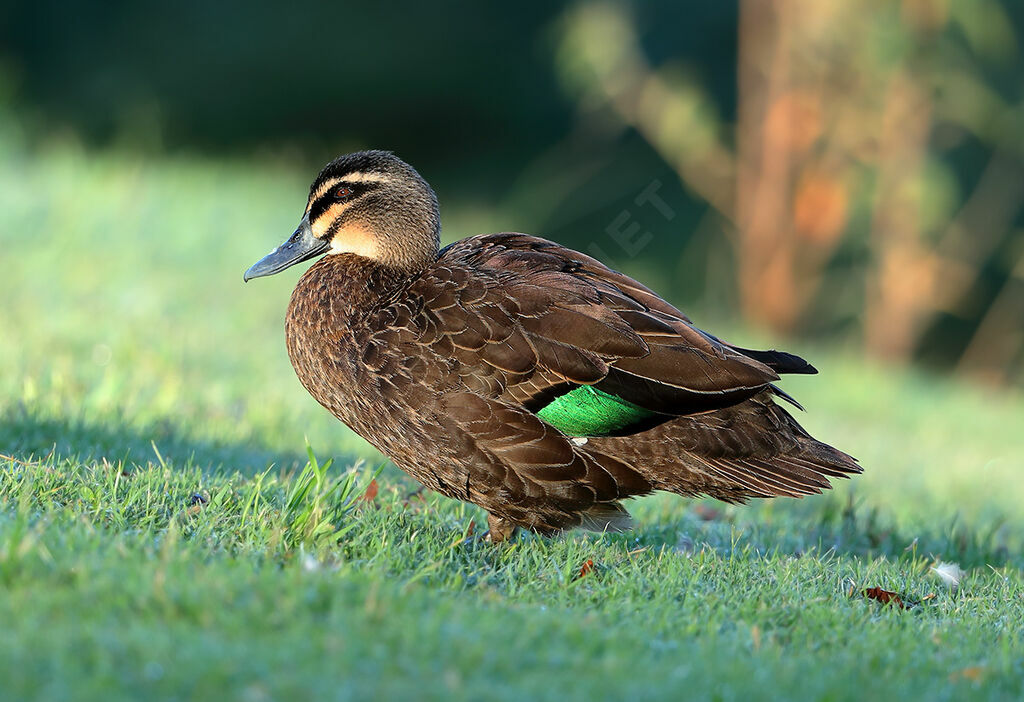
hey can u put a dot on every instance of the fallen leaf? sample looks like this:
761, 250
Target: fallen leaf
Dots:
586, 569
471, 528
371, 491
887, 597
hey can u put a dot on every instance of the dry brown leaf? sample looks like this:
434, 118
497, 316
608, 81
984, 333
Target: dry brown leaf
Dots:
887, 597
371, 491
586, 569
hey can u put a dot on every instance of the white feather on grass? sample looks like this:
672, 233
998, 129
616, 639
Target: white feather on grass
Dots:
950, 573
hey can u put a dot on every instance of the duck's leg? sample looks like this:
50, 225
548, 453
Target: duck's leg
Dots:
499, 529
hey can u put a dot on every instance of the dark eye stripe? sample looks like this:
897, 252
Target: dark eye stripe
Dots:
329, 198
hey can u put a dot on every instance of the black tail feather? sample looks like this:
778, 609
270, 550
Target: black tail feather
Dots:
779, 361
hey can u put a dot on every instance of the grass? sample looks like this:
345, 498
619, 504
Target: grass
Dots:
165, 533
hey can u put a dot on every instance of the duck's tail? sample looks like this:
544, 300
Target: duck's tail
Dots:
753, 449
779, 361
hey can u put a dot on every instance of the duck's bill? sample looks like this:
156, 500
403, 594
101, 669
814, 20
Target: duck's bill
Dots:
301, 246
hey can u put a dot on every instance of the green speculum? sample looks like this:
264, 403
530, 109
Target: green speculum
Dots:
587, 411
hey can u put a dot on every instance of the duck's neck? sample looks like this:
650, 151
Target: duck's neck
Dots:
339, 287
326, 318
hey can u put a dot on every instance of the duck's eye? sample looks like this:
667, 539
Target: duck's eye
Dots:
342, 192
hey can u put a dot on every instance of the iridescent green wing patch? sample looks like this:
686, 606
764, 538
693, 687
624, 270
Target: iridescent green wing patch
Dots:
587, 411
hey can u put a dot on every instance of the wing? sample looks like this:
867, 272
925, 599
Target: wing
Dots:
529, 319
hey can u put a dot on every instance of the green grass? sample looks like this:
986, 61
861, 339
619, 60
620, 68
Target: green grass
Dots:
163, 533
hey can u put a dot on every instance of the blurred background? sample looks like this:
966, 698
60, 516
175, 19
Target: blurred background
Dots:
852, 172
849, 171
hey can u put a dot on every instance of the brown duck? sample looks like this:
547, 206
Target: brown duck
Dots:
522, 376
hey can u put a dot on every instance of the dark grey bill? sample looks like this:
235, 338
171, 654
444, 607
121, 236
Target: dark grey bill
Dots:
301, 246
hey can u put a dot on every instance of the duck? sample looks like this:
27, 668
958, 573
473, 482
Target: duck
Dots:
519, 375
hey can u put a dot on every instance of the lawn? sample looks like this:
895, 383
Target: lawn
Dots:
164, 535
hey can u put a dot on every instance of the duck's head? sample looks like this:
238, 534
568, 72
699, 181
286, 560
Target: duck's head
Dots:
369, 203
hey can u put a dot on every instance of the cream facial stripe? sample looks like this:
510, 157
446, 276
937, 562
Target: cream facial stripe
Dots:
350, 178
357, 239
332, 213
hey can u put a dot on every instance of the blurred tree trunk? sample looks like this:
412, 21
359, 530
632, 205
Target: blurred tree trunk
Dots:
791, 204
764, 252
901, 287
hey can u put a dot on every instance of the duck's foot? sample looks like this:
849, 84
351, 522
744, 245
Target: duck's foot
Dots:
498, 529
